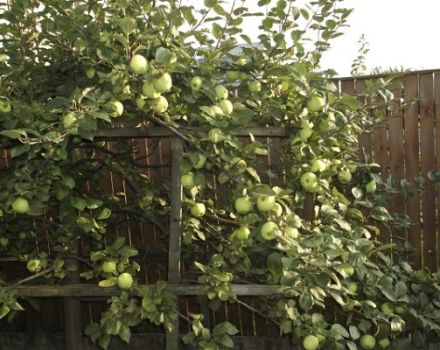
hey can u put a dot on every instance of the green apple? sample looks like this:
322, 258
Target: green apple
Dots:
5, 106
187, 181
311, 342
90, 72
352, 287
384, 343
291, 232
242, 233
215, 135
163, 83
34, 265
277, 209
216, 110
269, 231
346, 269
149, 90
125, 280
160, 104
243, 205
305, 134
140, 102
69, 120
139, 64
309, 182
318, 166
198, 210
265, 203
226, 106
344, 176
196, 83
371, 186
368, 341
315, 104
254, 86
233, 74
117, 109
20, 205
387, 308
221, 92
109, 266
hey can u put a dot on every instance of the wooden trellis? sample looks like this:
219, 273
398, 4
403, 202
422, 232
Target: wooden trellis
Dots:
71, 292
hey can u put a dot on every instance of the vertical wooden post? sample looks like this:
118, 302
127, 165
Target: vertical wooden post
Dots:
172, 339
72, 313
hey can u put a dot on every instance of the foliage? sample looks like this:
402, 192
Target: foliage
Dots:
70, 68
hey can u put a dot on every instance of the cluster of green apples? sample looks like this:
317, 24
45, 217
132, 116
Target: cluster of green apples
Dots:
268, 206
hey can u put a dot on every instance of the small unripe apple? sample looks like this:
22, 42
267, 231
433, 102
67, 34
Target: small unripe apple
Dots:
34, 265
5, 106
69, 120
215, 135
163, 83
187, 181
269, 231
196, 83
387, 308
243, 205
368, 341
226, 106
315, 104
344, 176
242, 233
309, 182
140, 102
90, 72
318, 166
160, 104
233, 74
305, 134
384, 343
117, 109
139, 64
201, 161
198, 210
221, 92
311, 342
265, 203
254, 86
109, 266
125, 280
346, 269
149, 90
20, 205
371, 186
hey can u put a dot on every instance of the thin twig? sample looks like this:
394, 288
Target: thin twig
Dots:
30, 278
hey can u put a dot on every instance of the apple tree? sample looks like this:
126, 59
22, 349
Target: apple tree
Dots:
70, 68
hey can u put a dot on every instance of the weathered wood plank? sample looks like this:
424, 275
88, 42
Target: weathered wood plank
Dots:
156, 131
427, 146
92, 290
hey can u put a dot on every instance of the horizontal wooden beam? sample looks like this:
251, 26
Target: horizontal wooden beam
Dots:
157, 131
92, 290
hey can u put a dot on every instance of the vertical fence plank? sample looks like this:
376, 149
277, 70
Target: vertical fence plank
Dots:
172, 339
396, 154
427, 145
412, 161
437, 150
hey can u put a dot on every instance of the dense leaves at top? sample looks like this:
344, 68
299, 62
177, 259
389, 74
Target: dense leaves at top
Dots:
69, 68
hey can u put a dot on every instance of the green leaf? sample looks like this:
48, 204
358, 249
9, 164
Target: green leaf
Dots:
104, 341
109, 282
78, 203
104, 214
127, 25
13, 134
252, 172
4, 310
187, 13
339, 329
125, 333
354, 332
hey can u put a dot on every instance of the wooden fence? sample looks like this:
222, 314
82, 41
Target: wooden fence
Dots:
406, 145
